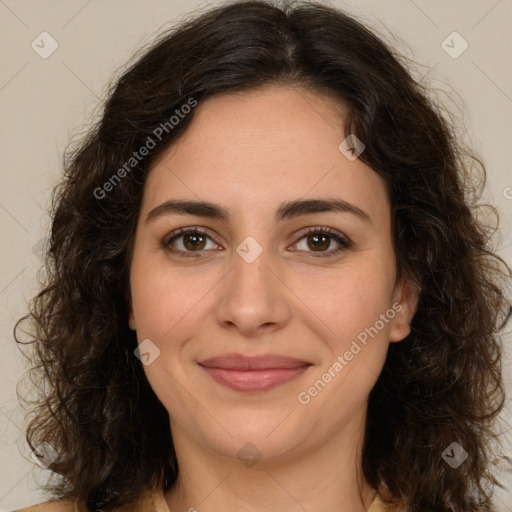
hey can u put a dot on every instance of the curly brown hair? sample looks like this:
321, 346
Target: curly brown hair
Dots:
441, 384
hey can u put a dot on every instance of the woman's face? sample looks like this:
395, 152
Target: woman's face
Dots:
261, 328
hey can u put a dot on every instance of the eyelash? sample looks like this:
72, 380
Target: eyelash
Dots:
344, 242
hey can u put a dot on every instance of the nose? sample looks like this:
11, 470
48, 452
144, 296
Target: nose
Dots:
255, 300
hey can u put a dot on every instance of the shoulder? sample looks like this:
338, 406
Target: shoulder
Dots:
50, 506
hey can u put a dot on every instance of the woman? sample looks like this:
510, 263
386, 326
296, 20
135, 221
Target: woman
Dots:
267, 286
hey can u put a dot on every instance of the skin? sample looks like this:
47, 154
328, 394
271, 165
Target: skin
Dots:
249, 152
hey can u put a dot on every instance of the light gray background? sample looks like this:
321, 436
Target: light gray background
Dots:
46, 101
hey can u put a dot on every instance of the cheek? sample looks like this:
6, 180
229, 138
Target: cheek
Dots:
165, 304
351, 300
356, 308
165, 299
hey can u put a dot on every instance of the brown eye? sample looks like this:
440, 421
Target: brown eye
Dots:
322, 241
186, 241
318, 242
194, 241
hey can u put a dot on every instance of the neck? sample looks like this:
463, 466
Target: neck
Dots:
326, 477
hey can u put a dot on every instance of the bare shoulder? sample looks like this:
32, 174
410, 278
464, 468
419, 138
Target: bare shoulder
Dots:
50, 506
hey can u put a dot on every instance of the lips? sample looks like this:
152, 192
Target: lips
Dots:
253, 373
240, 362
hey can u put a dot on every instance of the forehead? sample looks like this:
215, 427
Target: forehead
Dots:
261, 147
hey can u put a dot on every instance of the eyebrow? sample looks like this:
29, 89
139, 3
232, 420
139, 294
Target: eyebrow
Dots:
286, 210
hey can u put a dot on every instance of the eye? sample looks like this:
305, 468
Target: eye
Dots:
188, 240
319, 240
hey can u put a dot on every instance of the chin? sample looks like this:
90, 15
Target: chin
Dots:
257, 434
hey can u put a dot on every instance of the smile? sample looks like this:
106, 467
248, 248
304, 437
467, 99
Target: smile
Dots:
250, 374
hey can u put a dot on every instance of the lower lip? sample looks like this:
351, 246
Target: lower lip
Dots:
254, 380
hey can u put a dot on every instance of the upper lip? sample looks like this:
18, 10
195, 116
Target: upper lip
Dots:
263, 362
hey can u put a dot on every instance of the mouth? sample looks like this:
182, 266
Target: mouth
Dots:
253, 373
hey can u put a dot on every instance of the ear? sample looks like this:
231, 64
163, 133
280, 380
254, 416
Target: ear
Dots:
405, 304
